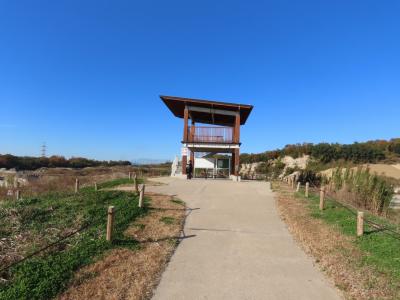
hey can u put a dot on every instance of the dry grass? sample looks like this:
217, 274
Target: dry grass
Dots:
392, 171
133, 274
63, 179
335, 253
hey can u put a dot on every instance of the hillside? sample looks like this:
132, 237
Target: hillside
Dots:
386, 151
382, 157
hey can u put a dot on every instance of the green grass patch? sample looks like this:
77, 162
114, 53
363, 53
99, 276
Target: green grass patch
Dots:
140, 226
380, 249
45, 275
117, 182
178, 201
168, 220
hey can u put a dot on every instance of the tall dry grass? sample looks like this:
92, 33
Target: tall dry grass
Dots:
362, 189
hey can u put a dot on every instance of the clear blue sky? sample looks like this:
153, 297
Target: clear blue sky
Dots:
85, 76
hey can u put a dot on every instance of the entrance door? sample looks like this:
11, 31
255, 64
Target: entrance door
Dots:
222, 167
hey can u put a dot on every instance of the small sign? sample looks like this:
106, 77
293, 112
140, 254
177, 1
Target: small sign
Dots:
184, 151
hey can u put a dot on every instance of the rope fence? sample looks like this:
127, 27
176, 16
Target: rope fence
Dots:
60, 182
110, 215
44, 248
353, 210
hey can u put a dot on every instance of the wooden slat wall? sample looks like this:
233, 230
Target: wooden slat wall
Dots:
212, 134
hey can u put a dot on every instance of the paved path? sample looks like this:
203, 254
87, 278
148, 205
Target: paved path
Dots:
240, 248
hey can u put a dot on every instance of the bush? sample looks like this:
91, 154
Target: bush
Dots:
309, 176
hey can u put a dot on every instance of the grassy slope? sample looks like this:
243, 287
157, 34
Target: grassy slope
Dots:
116, 182
44, 276
381, 250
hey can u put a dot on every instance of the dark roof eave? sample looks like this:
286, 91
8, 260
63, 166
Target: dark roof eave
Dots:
210, 102
176, 106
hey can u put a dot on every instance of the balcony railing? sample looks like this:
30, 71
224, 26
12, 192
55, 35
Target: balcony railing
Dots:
206, 134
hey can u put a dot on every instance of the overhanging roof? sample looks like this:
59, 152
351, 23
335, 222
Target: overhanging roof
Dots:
208, 111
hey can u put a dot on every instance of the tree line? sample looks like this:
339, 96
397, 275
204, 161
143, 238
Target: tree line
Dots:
9, 161
367, 152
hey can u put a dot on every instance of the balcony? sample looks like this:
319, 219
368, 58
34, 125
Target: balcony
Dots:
207, 134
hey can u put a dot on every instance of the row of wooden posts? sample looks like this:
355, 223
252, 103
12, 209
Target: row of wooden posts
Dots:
360, 215
111, 209
130, 176
77, 185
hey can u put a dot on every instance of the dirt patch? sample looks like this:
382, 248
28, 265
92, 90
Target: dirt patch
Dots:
134, 273
333, 252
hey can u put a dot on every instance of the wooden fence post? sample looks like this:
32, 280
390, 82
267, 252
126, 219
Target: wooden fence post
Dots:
307, 188
110, 223
135, 183
322, 198
17, 194
76, 185
129, 175
141, 195
331, 185
95, 186
360, 223
298, 187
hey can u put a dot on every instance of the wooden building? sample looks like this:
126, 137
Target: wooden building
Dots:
214, 127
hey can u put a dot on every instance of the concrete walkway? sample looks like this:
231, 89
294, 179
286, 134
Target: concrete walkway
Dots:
239, 249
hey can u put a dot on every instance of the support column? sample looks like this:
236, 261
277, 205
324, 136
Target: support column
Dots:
237, 128
232, 166
185, 124
192, 159
185, 138
184, 163
236, 173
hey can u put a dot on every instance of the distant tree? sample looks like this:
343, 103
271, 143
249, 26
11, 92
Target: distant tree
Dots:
57, 161
368, 152
9, 161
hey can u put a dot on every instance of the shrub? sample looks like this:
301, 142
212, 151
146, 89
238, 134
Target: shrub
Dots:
309, 176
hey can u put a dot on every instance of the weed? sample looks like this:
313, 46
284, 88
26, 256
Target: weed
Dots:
168, 220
